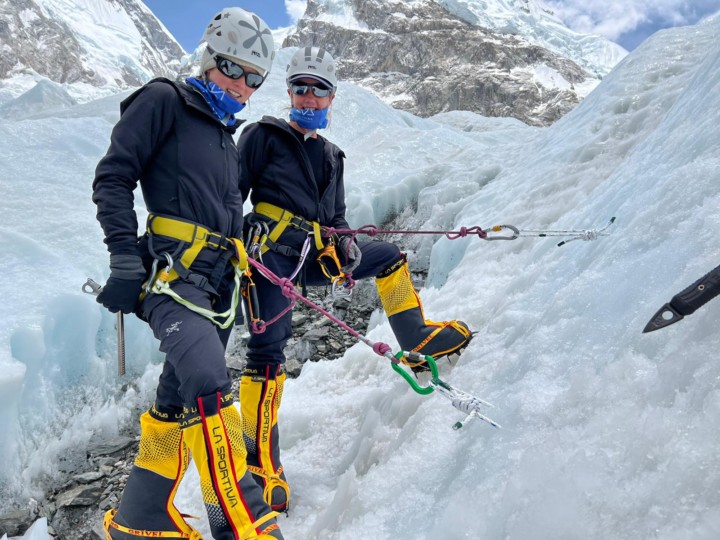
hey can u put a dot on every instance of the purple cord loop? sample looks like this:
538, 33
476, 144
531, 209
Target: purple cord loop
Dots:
465, 231
286, 286
370, 230
258, 327
380, 348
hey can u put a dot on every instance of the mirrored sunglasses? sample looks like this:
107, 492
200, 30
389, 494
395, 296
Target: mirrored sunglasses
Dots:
236, 71
302, 89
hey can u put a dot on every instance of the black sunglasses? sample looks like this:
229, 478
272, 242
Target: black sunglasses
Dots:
236, 71
302, 89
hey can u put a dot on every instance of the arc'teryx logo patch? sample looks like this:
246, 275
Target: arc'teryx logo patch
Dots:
174, 327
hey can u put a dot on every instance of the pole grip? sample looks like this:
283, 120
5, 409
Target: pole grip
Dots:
698, 294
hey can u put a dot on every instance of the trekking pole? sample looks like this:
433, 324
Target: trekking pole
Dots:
686, 302
464, 402
489, 234
94, 288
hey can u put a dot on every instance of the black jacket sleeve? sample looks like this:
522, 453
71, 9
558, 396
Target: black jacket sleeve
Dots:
146, 118
251, 148
339, 221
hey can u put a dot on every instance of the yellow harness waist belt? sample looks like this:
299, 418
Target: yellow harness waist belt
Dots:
197, 237
285, 218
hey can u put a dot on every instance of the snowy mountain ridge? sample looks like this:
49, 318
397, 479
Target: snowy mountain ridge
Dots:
536, 22
85, 48
530, 19
429, 57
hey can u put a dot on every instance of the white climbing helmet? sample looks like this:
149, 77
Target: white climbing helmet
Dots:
240, 36
312, 62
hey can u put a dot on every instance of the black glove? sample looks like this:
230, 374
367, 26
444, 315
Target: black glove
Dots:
121, 294
123, 287
351, 252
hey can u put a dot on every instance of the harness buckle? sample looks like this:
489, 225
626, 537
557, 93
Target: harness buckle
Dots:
215, 245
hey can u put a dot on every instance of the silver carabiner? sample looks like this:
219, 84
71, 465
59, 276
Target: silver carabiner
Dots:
154, 271
498, 228
338, 290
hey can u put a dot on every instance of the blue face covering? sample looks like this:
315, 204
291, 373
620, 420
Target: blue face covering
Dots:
224, 106
309, 118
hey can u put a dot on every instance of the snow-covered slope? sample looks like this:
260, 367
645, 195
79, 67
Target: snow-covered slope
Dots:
608, 433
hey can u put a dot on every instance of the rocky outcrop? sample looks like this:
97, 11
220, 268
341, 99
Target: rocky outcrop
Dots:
421, 58
38, 38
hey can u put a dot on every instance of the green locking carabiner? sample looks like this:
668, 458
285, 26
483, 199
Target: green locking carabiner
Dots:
423, 390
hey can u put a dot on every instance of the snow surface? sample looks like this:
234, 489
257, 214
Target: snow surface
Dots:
608, 432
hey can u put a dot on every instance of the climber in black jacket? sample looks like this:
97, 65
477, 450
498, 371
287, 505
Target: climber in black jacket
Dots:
294, 178
176, 141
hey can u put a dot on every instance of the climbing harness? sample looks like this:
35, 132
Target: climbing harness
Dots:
485, 234
159, 283
462, 401
192, 239
285, 219
262, 238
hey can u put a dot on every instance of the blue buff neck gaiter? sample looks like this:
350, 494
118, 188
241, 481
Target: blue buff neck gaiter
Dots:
309, 118
224, 106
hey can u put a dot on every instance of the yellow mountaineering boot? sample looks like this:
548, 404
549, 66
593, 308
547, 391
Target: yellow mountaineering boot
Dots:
407, 320
147, 508
234, 502
261, 388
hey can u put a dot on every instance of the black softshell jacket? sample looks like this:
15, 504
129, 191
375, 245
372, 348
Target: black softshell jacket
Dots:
274, 168
185, 159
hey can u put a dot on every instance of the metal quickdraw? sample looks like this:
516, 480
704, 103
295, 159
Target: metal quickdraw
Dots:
574, 234
464, 402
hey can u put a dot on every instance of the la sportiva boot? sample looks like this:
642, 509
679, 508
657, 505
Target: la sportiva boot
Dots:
234, 502
407, 320
261, 388
147, 506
